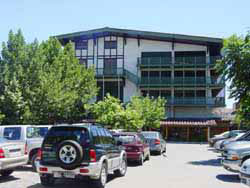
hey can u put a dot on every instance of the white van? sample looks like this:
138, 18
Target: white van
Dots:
31, 135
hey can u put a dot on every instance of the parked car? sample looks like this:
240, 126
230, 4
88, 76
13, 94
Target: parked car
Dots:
135, 146
155, 141
219, 145
31, 135
245, 173
222, 136
82, 150
235, 154
12, 155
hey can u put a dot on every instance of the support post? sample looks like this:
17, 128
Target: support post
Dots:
208, 133
166, 137
188, 133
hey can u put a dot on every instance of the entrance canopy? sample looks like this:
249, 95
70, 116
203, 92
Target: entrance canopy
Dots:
182, 123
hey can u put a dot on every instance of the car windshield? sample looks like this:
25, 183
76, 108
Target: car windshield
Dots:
125, 139
36, 132
150, 134
225, 134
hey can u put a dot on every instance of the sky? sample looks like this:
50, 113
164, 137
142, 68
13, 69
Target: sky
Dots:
43, 18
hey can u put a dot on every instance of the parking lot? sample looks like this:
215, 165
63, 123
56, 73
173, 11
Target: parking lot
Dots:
184, 165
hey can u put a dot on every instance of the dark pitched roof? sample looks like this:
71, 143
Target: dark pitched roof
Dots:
140, 34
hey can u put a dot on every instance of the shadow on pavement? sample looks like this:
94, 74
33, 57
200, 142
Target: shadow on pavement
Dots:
231, 178
7, 179
211, 162
73, 183
24, 169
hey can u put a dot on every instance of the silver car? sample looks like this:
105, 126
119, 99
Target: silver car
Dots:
235, 154
155, 141
12, 154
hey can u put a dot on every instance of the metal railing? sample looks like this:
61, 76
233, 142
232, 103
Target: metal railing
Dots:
178, 61
110, 72
178, 81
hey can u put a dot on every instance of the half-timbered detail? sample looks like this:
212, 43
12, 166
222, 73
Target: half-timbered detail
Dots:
180, 68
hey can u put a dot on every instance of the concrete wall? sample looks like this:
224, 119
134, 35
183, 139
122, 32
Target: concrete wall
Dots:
194, 112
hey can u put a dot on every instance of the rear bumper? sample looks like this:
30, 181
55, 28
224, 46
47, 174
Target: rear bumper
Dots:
154, 148
245, 178
133, 156
230, 165
10, 163
92, 170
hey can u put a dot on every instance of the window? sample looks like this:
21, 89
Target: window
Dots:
81, 45
110, 44
12, 133
58, 134
36, 132
125, 139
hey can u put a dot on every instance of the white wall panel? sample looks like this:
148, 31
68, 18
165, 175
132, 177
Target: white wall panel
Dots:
189, 47
129, 91
90, 47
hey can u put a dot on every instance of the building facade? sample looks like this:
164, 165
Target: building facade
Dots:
180, 68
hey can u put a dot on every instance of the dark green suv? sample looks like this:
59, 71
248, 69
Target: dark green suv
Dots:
82, 150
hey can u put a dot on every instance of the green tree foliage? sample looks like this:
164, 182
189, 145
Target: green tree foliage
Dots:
138, 113
42, 83
235, 66
153, 111
108, 111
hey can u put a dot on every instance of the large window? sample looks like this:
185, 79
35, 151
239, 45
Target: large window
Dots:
110, 66
81, 45
110, 44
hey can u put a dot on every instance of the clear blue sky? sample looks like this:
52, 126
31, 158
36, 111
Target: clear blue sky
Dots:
43, 18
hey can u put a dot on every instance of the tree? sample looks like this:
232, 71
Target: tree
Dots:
235, 66
47, 82
109, 112
153, 111
138, 113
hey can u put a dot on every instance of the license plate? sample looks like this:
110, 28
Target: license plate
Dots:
15, 154
64, 175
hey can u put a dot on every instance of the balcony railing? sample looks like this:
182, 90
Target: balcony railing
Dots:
191, 60
178, 61
165, 81
193, 101
155, 61
118, 72
110, 72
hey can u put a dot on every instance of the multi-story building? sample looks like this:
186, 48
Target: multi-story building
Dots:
180, 68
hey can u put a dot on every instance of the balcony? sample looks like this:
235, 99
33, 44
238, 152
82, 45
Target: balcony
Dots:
191, 61
118, 72
196, 101
184, 61
155, 61
181, 81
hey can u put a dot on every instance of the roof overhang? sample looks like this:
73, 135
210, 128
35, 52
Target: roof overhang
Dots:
106, 31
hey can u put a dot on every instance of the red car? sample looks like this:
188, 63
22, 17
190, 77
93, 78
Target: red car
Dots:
135, 145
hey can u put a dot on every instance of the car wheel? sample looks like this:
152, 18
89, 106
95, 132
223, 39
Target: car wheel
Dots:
101, 181
141, 160
34, 159
123, 168
6, 173
47, 180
